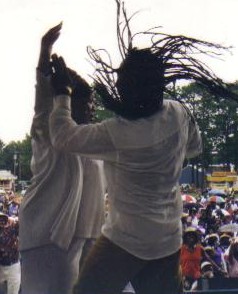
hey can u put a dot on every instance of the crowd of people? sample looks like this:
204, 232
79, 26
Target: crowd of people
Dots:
210, 240
10, 271
209, 249
9, 203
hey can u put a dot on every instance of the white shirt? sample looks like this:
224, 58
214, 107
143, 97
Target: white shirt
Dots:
58, 205
143, 160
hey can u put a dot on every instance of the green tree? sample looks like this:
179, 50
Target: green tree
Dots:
218, 122
100, 112
227, 124
16, 157
1, 153
203, 108
25, 158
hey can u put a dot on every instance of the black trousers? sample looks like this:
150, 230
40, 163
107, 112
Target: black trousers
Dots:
108, 268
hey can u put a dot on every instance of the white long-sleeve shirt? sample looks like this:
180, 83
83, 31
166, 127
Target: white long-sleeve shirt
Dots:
143, 160
57, 206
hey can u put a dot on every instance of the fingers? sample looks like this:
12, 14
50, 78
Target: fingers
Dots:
58, 63
59, 68
51, 36
60, 78
57, 27
55, 31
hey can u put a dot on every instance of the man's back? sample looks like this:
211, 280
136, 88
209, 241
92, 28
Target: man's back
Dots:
143, 180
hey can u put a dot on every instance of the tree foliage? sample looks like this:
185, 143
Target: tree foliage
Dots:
15, 157
218, 122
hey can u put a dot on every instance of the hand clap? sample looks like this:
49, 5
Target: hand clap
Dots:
61, 82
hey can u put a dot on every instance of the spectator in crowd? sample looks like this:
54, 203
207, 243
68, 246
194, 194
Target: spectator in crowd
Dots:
191, 257
217, 255
207, 272
9, 253
225, 241
184, 221
208, 220
235, 216
233, 204
192, 218
13, 208
232, 259
2, 196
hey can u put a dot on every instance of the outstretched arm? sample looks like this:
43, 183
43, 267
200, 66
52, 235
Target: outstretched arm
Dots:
91, 140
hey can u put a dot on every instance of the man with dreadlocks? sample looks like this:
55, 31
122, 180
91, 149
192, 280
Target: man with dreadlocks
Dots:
143, 148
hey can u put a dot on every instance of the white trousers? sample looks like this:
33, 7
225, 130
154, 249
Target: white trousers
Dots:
12, 275
49, 269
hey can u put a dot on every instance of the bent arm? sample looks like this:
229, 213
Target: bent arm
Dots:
91, 140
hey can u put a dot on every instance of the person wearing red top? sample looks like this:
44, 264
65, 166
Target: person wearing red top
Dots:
191, 257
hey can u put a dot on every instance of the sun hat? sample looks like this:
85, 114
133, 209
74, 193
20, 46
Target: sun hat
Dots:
212, 236
191, 231
225, 236
209, 249
206, 264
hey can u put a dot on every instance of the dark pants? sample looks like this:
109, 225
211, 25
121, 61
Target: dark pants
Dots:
108, 268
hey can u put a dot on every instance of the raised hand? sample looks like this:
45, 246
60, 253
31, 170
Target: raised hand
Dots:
61, 81
47, 42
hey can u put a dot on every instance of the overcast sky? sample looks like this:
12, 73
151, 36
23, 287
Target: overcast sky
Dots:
93, 22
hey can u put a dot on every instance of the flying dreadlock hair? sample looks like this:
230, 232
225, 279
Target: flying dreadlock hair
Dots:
136, 88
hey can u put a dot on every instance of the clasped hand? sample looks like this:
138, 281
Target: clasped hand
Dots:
61, 81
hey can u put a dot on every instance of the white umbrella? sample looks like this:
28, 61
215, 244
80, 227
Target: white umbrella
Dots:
217, 192
229, 228
217, 212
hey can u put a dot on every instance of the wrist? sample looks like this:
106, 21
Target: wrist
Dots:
44, 70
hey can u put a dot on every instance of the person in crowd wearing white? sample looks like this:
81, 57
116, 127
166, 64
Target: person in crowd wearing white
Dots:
55, 219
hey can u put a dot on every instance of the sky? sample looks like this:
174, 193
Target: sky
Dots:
93, 22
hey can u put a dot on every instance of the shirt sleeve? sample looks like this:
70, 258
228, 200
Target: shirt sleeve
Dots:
42, 108
90, 140
194, 144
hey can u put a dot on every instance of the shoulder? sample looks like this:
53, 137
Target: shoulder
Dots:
174, 106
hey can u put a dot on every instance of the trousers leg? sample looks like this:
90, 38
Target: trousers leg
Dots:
107, 269
161, 276
50, 270
13, 278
